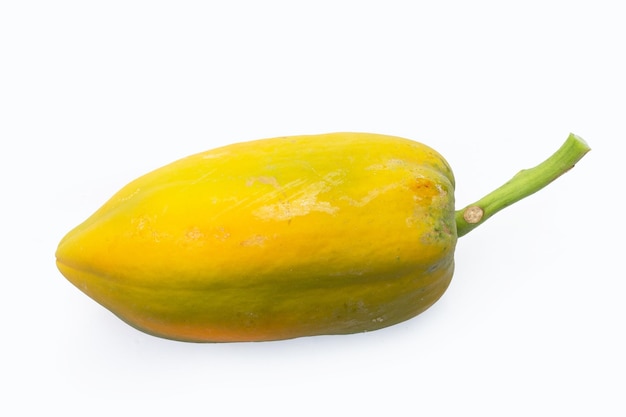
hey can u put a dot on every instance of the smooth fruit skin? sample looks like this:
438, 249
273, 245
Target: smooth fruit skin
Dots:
273, 239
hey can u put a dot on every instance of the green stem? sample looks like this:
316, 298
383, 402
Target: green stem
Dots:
525, 183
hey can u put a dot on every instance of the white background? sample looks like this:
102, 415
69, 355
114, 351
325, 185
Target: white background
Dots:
96, 93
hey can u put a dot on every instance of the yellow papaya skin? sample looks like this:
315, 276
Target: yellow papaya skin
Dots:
273, 239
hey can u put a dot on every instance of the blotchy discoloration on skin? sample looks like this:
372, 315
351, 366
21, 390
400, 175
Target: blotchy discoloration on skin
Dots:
371, 195
300, 203
263, 179
256, 240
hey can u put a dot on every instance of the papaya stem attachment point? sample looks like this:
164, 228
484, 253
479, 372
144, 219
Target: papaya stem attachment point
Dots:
523, 184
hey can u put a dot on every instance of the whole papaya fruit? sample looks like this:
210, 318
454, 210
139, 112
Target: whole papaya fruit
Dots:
280, 238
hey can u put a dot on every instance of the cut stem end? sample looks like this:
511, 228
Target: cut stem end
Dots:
525, 183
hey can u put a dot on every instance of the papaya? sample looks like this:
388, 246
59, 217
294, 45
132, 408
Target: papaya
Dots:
285, 237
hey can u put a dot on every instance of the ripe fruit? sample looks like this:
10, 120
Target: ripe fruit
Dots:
281, 238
